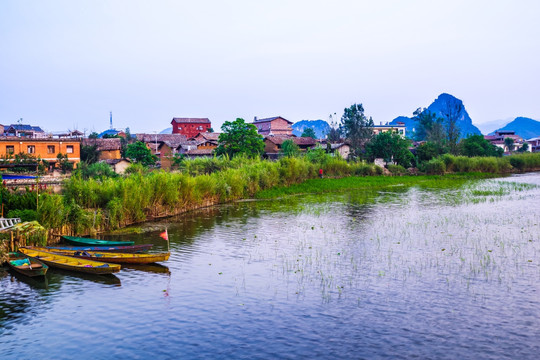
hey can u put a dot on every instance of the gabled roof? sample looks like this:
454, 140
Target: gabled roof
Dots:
110, 144
191, 120
301, 141
258, 121
207, 136
171, 140
22, 127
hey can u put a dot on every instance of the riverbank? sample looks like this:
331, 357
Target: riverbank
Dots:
90, 206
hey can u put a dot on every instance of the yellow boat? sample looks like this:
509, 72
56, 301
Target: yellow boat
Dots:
111, 257
71, 263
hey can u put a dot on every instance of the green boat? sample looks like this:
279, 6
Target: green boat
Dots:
79, 241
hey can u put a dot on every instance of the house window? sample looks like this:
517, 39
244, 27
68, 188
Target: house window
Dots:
31, 149
50, 149
69, 149
10, 149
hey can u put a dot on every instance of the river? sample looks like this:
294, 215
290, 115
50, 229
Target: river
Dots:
407, 272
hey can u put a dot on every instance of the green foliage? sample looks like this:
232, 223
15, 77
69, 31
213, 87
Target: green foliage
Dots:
333, 136
357, 128
24, 215
477, 145
140, 153
509, 143
434, 167
93, 135
18, 200
317, 155
289, 148
517, 162
237, 137
100, 170
428, 151
391, 147
90, 154
309, 132
64, 163
397, 169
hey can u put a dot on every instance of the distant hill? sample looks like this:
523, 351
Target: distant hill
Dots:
320, 127
441, 107
524, 127
166, 131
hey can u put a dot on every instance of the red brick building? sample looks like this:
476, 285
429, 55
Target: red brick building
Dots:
190, 126
274, 126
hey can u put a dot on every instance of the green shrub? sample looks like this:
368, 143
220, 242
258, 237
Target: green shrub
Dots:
435, 167
396, 169
517, 162
24, 215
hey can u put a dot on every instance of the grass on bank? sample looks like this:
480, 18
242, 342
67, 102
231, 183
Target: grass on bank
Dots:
91, 205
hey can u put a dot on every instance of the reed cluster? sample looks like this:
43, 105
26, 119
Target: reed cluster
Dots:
100, 204
461, 164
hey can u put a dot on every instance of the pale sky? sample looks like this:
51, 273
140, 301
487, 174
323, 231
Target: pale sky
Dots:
66, 64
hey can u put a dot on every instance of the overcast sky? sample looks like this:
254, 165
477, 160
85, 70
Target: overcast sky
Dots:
66, 64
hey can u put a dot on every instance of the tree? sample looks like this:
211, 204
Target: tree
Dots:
333, 136
452, 113
357, 128
524, 147
477, 145
391, 147
140, 153
309, 132
428, 151
64, 163
429, 127
93, 135
90, 153
237, 137
509, 143
210, 130
289, 148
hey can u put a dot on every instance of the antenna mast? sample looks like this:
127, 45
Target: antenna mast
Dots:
111, 119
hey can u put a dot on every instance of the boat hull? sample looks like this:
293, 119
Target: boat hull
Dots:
71, 263
119, 249
79, 241
111, 257
35, 268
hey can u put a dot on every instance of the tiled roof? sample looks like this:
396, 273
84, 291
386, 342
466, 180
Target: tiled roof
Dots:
271, 119
210, 136
21, 127
171, 140
115, 161
191, 120
110, 144
279, 139
199, 152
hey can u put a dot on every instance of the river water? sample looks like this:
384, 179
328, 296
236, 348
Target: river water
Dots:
407, 272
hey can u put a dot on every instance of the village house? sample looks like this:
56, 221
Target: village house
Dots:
498, 140
343, 149
39, 148
190, 127
273, 126
272, 144
164, 146
21, 130
119, 166
534, 144
109, 149
398, 128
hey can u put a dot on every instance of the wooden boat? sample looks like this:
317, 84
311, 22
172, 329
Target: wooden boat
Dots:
111, 257
120, 249
71, 263
26, 265
79, 241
